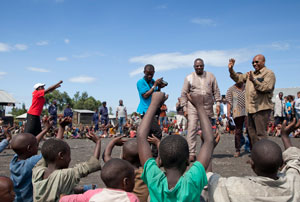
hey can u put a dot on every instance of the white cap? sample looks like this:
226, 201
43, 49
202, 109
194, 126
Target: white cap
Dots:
38, 85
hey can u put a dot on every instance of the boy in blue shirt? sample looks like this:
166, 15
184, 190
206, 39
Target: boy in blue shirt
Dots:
175, 184
25, 145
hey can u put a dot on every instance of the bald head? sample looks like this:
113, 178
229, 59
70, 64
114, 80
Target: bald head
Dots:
130, 152
258, 62
22, 142
267, 157
6, 189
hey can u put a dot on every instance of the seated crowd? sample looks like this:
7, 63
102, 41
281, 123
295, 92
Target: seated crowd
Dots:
137, 175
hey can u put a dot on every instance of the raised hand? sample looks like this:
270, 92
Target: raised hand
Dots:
154, 140
64, 121
231, 63
118, 141
92, 136
158, 98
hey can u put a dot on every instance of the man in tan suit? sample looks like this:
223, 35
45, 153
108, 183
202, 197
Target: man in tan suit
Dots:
259, 92
204, 83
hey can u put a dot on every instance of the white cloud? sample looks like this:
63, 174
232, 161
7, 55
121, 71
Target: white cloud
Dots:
2, 74
62, 59
82, 79
280, 45
42, 43
21, 47
67, 41
203, 21
34, 69
176, 60
5, 47
88, 54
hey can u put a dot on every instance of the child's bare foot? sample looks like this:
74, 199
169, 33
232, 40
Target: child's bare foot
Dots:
237, 154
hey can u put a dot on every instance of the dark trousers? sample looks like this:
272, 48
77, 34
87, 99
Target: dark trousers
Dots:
33, 124
239, 123
156, 131
278, 120
257, 125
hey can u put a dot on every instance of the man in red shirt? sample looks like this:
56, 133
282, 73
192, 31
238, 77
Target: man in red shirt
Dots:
33, 124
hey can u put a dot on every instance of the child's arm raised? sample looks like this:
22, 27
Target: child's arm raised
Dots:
286, 130
62, 125
97, 140
107, 152
207, 147
143, 146
48, 124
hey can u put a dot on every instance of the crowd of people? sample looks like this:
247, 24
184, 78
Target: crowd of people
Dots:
137, 175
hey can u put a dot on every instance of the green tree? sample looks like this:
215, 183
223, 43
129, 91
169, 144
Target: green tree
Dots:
18, 111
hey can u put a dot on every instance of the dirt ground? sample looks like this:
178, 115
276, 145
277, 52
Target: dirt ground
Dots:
223, 161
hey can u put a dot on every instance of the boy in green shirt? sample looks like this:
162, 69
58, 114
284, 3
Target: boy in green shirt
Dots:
175, 184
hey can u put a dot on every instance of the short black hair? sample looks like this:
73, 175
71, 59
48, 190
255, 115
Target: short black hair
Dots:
52, 147
114, 171
130, 152
174, 151
267, 156
199, 60
149, 67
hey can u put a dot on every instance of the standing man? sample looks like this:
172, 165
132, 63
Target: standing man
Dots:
96, 120
103, 114
146, 86
163, 119
259, 92
279, 109
52, 110
33, 121
121, 115
203, 83
68, 113
235, 98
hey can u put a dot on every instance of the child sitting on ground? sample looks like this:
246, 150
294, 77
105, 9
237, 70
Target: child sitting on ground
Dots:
51, 177
118, 177
25, 145
175, 184
269, 185
130, 154
7, 193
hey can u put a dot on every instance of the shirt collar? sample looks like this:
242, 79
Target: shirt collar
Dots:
260, 71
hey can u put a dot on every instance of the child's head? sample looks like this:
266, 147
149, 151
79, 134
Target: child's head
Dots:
174, 152
56, 151
130, 152
266, 158
7, 193
25, 145
118, 174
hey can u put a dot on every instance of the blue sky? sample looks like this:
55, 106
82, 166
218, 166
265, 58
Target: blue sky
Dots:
101, 46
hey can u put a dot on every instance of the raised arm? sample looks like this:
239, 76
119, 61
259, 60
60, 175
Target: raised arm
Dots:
107, 152
52, 88
286, 130
63, 122
143, 145
207, 147
97, 140
234, 76
48, 124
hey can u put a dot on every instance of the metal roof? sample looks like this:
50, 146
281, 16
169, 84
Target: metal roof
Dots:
6, 98
84, 111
